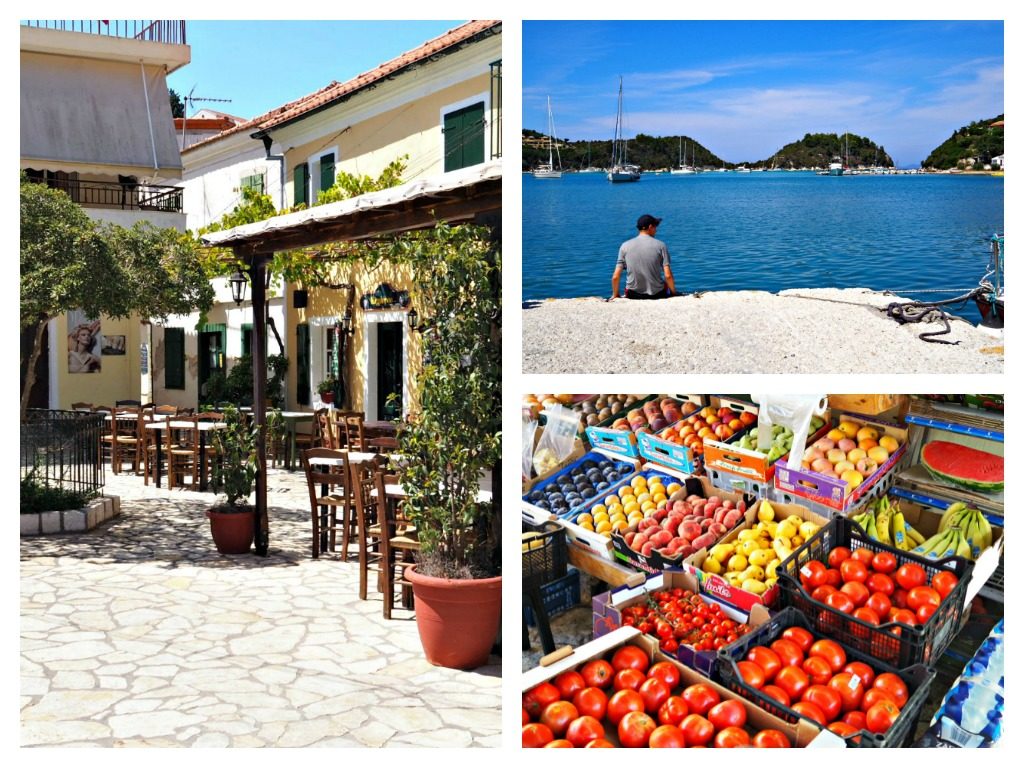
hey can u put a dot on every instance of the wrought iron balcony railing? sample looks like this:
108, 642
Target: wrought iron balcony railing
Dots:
172, 32
127, 195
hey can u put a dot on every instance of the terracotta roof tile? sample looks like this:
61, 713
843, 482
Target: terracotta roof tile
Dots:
336, 90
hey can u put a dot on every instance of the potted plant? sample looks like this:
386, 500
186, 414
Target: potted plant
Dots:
232, 521
326, 389
453, 437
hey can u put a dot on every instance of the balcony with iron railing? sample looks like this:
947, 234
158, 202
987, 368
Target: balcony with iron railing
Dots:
125, 196
171, 32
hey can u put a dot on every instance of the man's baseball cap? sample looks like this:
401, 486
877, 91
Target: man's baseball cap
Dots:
647, 220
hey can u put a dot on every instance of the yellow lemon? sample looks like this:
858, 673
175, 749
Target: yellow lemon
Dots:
748, 547
747, 533
604, 526
737, 563
755, 586
722, 552
761, 557
711, 565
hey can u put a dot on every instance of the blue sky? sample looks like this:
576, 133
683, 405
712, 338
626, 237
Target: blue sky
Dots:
260, 65
745, 89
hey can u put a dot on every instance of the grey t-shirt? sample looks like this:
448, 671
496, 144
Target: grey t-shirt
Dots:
645, 259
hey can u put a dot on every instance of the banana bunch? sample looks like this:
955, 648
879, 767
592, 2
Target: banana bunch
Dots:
945, 544
975, 528
884, 523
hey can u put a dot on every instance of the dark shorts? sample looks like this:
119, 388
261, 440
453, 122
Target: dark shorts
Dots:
662, 294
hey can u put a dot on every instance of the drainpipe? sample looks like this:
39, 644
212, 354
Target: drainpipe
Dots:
268, 141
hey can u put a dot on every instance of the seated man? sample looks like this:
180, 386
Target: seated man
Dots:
646, 260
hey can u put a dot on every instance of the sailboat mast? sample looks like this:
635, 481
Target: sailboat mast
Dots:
551, 130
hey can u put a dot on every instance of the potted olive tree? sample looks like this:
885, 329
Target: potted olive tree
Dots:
453, 438
232, 521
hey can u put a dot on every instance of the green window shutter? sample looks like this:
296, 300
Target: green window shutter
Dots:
300, 189
174, 358
464, 137
326, 171
256, 182
246, 338
302, 394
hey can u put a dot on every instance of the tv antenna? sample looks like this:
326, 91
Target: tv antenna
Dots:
190, 102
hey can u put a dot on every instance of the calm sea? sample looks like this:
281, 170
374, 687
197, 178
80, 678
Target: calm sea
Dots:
767, 231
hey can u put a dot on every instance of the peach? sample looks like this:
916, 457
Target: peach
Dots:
879, 454
843, 466
852, 477
867, 433
856, 455
866, 445
821, 465
846, 445
836, 455
836, 435
890, 443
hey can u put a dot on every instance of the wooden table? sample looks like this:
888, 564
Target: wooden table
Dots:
202, 426
291, 421
354, 457
609, 572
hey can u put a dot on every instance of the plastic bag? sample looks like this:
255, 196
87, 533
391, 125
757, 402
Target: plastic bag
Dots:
529, 430
557, 439
793, 411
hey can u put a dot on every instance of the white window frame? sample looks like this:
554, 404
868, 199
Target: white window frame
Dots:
370, 322
485, 97
313, 164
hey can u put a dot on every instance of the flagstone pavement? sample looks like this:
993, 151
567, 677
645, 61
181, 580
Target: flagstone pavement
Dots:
139, 633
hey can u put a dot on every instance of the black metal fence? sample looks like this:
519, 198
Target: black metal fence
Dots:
63, 447
126, 195
135, 29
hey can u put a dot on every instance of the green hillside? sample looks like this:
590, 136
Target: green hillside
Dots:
980, 141
817, 150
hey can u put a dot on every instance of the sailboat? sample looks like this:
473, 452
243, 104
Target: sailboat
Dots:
590, 168
621, 169
548, 170
683, 168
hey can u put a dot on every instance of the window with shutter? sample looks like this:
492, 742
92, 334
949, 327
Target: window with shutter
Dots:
302, 361
256, 182
174, 358
246, 338
326, 171
300, 188
464, 137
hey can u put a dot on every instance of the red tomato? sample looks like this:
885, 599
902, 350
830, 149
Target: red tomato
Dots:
667, 737
558, 715
820, 593
623, 702
881, 716
818, 670
536, 735
697, 730
751, 673
778, 694
828, 699
728, 713
767, 659
584, 730
700, 698
635, 729
840, 601
880, 604
861, 670
789, 653
812, 574
892, 684
673, 711
853, 570
910, 575
591, 701
526, 716
568, 683
537, 698
558, 744
924, 613
654, 693
880, 582
799, 635
884, 562
600, 744
597, 674
838, 555
833, 577
630, 657
899, 597
628, 678
867, 615
665, 671
770, 738
944, 582
856, 719
844, 730
919, 596
874, 695
731, 737
856, 591
863, 554
830, 651
850, 689
811, 711
794, 681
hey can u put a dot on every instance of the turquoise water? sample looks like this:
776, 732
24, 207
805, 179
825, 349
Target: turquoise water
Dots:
767, 231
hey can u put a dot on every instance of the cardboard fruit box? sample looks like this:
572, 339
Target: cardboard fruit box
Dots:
655, 562
800, 734
669, 454
534, 514
749, 464
834, 492
717, 585
608, 609
624, 441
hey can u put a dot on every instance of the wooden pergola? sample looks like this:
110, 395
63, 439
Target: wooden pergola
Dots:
469, 195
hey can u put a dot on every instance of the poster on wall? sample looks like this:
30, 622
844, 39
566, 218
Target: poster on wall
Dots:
83, 343
113, 345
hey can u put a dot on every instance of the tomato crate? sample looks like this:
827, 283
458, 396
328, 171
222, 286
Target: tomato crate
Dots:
918, 679
545, 557
894, 642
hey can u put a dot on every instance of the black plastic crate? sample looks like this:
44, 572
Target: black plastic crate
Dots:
557, 597
917, 677
892, 642
547, 560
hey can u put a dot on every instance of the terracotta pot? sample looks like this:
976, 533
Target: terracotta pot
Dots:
457, 618
232, 529
327, 397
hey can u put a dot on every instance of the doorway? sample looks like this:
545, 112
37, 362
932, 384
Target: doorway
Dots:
212, 343
390, 353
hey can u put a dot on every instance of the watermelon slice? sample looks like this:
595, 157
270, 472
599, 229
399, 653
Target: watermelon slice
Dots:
963, 467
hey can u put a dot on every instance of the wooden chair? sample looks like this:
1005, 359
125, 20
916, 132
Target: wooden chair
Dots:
127, 438
330, 490
81, 406
128, 403
352, 422
367, 502
106, 448
399, 543
152, 437
181, 450
329, 436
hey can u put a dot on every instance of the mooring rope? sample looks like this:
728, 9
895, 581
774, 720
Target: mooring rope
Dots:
930, 312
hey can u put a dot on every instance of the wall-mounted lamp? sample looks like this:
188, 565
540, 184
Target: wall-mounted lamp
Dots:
345, 324
238, 282
413, 319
